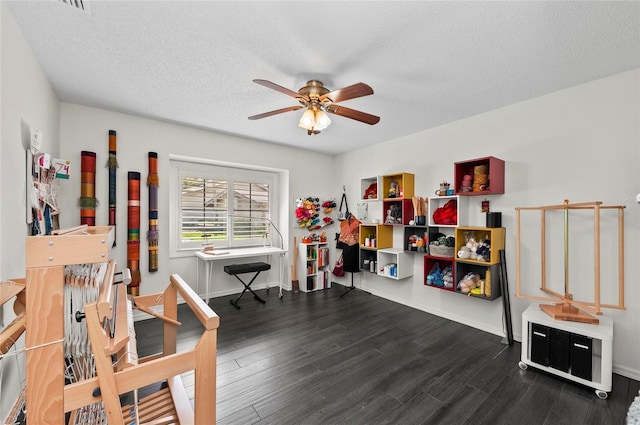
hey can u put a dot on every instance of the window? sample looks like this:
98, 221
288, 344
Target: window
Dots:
221, 205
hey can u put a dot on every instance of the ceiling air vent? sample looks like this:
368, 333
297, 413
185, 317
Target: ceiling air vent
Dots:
77, 4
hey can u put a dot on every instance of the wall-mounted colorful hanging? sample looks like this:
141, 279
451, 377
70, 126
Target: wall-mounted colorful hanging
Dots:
112, 165
152, 236
133, 232
87, 201
308, 212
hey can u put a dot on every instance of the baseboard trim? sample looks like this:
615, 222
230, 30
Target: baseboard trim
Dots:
440, 313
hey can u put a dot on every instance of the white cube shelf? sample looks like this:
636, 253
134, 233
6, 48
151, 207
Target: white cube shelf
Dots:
462, 210
402, 260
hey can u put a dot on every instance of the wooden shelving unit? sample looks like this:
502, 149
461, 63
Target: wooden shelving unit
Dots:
314, 266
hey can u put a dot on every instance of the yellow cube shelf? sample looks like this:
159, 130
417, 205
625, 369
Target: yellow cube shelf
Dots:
405, 189
382, 234
495, 234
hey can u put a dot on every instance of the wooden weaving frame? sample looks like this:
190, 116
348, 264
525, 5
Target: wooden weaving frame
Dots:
565, 307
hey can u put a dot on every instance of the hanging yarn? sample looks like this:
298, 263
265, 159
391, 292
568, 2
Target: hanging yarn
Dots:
82, 286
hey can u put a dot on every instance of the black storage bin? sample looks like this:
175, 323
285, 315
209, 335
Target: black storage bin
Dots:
540, 344
494, 219
559, 349
581, 356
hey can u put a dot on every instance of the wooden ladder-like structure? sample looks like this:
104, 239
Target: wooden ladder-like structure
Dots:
48, 398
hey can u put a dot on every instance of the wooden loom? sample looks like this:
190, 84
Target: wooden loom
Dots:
565, 307
48, 398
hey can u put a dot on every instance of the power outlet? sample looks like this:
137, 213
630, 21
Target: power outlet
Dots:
638, 198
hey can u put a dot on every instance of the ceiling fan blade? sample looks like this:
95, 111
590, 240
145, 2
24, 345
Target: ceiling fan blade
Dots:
277, 111
281, 89
353, 114
346, 93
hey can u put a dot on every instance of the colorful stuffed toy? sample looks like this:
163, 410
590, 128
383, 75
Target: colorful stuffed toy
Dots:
371, 192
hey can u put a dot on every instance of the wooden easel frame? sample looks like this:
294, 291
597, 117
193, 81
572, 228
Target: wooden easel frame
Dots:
566, 308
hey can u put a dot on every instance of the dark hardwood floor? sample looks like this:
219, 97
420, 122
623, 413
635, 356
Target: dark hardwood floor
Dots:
319, 358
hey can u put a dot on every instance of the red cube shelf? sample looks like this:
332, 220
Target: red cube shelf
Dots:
405, 206
443, 262
495, 172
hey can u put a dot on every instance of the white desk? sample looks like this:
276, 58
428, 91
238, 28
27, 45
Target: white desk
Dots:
230, 253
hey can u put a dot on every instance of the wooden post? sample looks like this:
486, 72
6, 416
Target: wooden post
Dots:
45, 345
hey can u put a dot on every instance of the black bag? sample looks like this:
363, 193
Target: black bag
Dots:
343, 215
339, 245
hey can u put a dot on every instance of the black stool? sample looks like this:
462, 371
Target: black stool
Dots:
236, 269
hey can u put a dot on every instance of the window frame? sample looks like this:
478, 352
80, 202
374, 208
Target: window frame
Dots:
201, 168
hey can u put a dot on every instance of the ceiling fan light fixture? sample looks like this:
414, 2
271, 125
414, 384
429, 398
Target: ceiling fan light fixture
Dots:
318, 102
307, 120
322, 120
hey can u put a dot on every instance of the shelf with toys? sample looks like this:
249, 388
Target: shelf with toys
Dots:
397, 186
377, 254
397, 204
478, 260
467, 256
416, 238
369, 188
398, 212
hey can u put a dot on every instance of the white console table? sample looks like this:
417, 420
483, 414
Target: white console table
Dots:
226, 254
602, 338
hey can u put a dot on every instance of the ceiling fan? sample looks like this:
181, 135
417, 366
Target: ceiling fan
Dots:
318, 100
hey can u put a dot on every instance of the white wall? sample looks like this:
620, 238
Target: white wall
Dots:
28, 96
85, 128
581, 144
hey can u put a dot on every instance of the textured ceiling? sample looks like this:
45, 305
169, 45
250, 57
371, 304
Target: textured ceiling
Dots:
429, 63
